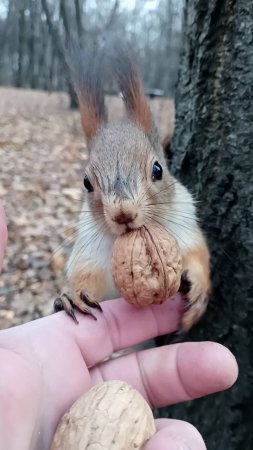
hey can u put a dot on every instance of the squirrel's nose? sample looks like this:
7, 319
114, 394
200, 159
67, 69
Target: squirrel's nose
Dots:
124, 218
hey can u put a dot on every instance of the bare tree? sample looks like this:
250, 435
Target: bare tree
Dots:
64, 16
32, 41
79, 20
22, 30
59, 47
53, 30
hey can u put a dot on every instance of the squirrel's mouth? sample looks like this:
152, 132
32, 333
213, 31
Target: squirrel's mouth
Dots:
120, 228
123, 217
129, 227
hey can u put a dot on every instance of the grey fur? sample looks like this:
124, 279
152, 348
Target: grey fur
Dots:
89, 70
126, 71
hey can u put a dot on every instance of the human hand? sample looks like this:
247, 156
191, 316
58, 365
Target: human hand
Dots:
3, 234
48, 363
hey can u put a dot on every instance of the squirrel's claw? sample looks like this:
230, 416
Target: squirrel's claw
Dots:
185, 284
86, 299
196, 302
66, 303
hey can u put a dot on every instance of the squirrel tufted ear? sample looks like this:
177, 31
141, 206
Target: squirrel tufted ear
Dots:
130, 84
85, 71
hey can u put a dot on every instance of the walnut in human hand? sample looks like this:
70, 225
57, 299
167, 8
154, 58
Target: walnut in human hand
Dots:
112, 415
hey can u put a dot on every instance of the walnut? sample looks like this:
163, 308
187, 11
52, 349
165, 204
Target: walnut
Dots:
147, 265
111, 416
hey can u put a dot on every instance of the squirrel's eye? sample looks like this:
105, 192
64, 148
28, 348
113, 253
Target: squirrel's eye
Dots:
87, 184
157, 171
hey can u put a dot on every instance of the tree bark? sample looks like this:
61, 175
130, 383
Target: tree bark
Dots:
212, 155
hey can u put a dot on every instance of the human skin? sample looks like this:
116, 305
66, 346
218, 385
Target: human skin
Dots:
3, 234
48, 363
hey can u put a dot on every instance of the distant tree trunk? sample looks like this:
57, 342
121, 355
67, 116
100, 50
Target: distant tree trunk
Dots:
53, 31
64, 16
212, 154
21, 34
42, 55
52, 69
112, 16
79, 21
3, 40
32, 37
59, 48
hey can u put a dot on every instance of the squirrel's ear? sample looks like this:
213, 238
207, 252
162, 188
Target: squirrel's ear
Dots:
166, 144
85, 70
131, 87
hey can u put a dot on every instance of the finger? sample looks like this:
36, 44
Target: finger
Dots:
174, 373
3, 234
175, 435
120, 326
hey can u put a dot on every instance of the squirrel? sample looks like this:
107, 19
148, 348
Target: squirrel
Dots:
127, 185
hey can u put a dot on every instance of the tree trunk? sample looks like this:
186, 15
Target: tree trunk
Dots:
3, 40
64, 16
53, 31
60, 50
21, 35
212, 155
42, 67
32, 39
79, 21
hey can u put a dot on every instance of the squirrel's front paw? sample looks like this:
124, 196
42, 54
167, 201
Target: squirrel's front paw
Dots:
196, 296
82, 302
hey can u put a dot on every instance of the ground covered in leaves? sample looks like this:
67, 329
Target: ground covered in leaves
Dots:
42, 159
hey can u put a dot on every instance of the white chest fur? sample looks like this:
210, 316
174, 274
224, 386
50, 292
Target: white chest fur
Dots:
93, 251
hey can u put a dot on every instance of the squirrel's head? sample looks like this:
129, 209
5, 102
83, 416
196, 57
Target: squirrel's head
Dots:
126, 178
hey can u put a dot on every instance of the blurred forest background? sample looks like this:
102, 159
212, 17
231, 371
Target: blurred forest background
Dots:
34, 33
